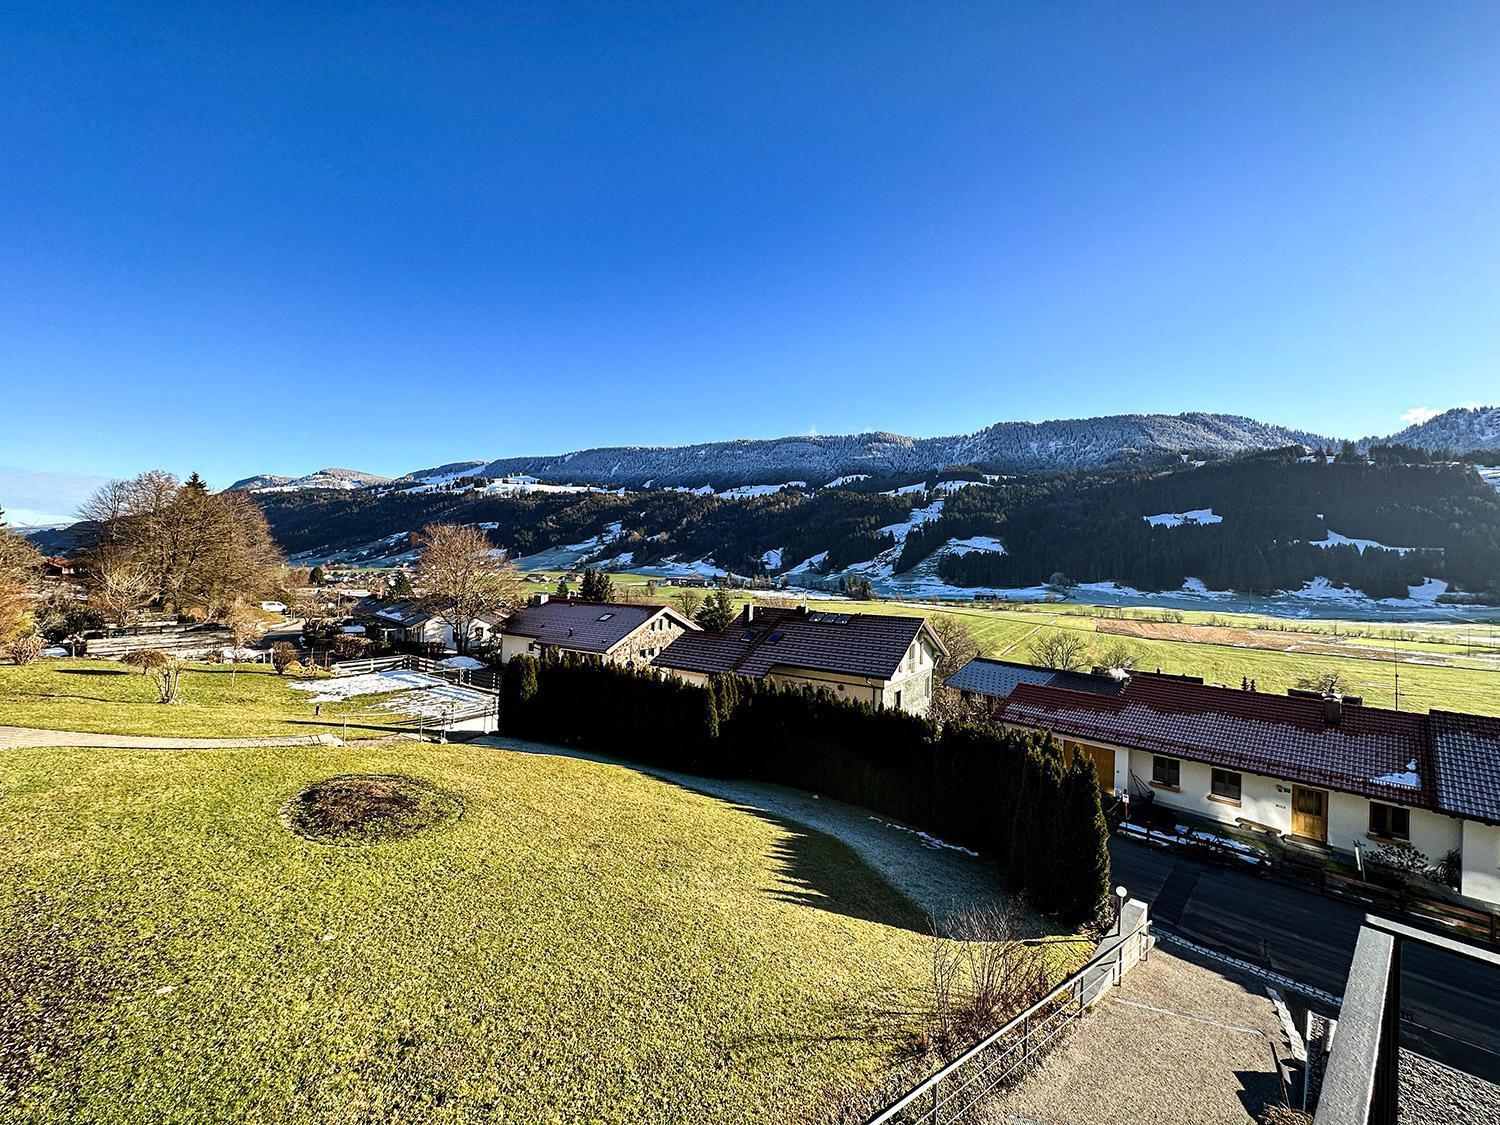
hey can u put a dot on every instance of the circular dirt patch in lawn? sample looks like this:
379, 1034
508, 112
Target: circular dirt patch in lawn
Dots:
360, 809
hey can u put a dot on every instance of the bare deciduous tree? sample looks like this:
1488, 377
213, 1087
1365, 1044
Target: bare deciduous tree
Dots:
283, 656
688, 602
1063, 649
982, 973
1116, 656
163, 667
462, 578
948, 703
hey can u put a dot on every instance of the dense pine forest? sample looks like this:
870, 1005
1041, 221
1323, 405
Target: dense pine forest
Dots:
1271, 509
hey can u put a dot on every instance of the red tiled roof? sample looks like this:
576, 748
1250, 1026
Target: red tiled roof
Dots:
1370, 751
854, 644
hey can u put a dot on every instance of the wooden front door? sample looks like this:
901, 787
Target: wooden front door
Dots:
1102, 757
1310, 814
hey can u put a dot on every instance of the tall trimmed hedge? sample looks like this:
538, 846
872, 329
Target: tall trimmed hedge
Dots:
1006, 793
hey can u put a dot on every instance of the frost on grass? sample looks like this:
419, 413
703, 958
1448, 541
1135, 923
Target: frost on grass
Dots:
370, 808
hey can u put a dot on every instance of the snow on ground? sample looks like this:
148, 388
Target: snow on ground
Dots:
1490, 474
1197, 588
1321, 589
951, 486
928, 841
464, 663
974, 543
1407, 779
850, 479
1109, 588
809, 565
1334, 539
883, 564
416, 695
1427, 593
670, 567
745, 491
1177, 519
907, 489
772, 558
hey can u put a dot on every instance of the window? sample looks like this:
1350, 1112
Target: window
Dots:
1166, 771
605, 616
898, 701
1226, 785
1389, 821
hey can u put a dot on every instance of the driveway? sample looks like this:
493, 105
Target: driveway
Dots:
1452, 1005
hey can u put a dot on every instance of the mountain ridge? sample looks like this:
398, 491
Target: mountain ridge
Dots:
1110, 441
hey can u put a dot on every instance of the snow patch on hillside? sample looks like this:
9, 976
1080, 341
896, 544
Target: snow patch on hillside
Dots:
1177, 519
1334, 539
746, 491
772, 559
974, 543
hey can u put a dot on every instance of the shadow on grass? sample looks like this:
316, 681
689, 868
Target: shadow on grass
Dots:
820, 871
814, 869
96, 671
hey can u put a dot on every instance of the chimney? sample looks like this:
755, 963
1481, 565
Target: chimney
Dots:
749, 612
1333, 709
539, 599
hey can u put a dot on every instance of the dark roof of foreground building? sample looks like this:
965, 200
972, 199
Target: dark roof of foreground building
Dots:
1445, 761
1467, 748
998, 678
585, 626
851, 644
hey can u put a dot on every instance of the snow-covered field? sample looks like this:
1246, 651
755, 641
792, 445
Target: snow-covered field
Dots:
417, 695
1177, 519
1490, 474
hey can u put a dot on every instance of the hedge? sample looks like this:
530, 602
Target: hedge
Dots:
1006, 793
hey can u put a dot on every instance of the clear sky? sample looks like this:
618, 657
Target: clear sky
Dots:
258, 237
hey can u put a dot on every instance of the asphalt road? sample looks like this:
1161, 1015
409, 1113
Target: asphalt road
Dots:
1451, 1005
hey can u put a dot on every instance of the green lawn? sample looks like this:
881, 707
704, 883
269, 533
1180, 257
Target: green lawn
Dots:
584, 944
104, 697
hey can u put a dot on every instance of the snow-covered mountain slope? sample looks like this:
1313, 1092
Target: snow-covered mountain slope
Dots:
331, 478
1085, 443
1463, 429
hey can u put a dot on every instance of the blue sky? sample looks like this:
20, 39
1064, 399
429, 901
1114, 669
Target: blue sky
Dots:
258, 237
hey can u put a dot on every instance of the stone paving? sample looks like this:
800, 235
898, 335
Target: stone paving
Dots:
12, 738
1178, 1044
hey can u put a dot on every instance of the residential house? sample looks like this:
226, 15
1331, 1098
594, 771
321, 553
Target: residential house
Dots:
884, 660
1321, 769
416, 624
619, 632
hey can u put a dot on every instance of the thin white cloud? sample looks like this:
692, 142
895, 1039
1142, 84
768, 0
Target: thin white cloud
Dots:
43, 498
1419, 414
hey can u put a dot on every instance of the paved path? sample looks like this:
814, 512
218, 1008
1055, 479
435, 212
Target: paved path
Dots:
1210, 1059
938, 878
1452, 1005
12, 738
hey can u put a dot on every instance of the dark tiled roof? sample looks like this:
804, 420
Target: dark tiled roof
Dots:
853, 644
1467, 748
406, 615
998, 678
579, 625
1370, 751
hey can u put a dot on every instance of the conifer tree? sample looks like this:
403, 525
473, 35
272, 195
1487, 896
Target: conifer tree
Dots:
1084, 846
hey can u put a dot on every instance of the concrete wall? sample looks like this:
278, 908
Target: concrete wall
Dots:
1481, 862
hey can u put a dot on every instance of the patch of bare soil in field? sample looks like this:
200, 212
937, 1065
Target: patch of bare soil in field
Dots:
367, 809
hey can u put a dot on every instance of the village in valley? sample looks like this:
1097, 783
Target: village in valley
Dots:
882, 564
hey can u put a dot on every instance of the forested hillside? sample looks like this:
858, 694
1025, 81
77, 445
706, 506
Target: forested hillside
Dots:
1258, 524
1270, 512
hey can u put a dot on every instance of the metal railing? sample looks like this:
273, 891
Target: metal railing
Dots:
962, 1086
1361, 1085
